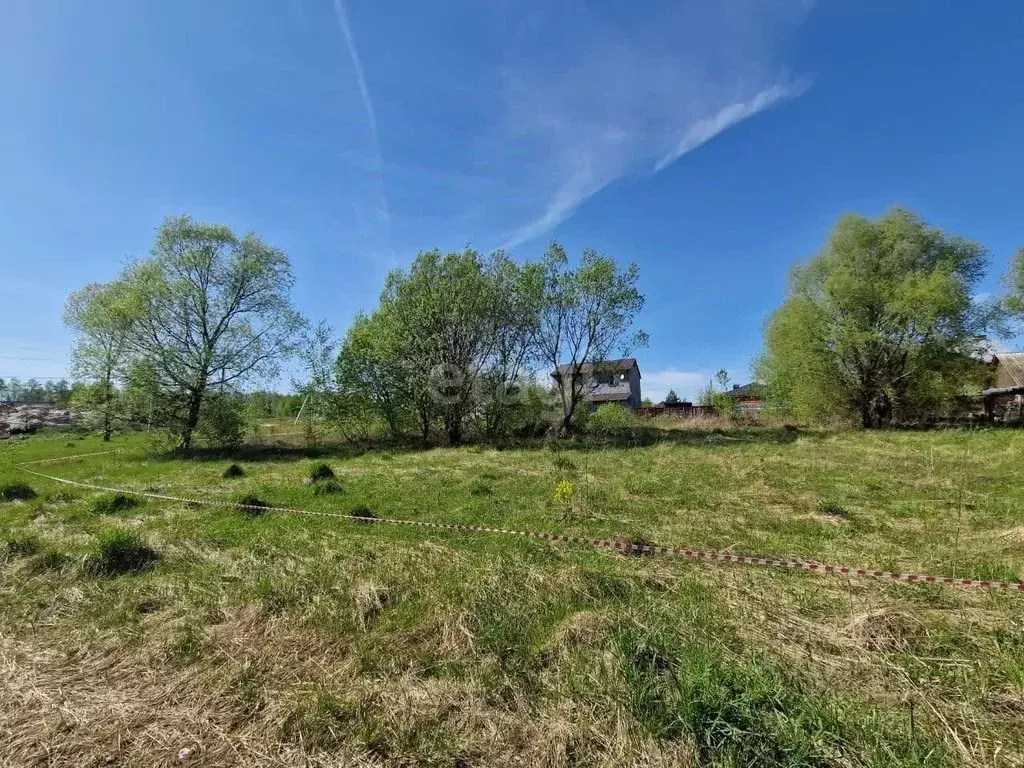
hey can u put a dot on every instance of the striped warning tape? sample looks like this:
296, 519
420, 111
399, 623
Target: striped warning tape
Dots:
613, 544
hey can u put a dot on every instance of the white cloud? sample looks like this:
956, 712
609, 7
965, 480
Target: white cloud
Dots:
707, 128
589, 100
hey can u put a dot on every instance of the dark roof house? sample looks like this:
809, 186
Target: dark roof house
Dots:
606, 381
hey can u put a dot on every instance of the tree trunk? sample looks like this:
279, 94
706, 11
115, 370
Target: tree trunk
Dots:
453, 429
195, 402
424, 425
107, 399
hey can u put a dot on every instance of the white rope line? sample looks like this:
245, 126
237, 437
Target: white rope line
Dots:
613, 544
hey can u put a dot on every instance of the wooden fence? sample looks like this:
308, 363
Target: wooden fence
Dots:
675, 410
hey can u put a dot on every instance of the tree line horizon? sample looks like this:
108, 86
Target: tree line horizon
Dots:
880, 327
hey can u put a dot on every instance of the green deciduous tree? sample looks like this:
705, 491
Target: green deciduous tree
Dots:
879, 326
587, 314
369, 376
104, 318
216, 313
1013, 301
441, 310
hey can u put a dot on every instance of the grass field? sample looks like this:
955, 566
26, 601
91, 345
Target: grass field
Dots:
129, 632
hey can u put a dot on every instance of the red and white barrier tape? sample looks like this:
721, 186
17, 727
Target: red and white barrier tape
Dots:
613, 544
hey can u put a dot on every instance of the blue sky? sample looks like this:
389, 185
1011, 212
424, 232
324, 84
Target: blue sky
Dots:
714, 143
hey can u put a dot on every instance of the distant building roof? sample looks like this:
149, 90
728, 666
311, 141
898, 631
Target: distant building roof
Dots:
623, 364
752, 390
1009, 369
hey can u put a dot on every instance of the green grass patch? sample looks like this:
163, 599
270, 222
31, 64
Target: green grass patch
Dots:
114, 503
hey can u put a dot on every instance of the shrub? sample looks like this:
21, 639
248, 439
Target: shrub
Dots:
221, 421
611, 416
119, 552
251, 505
232, 472
111, 504
16, 492
327, 488
564, 491
321, 472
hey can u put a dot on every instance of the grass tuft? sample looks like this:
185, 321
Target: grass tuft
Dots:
564, 464
480, 488
320, 472
16, 492
830, 509
233, 471
120, 552
112, 504
21, 546
321, 722
363, 511
251, 505
328, 488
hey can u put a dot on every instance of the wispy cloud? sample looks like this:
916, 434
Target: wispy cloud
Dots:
705, 129
590, 99
382, 209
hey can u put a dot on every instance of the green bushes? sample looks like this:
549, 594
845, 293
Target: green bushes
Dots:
611, 416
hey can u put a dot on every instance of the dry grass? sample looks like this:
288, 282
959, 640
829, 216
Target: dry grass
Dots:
270, 640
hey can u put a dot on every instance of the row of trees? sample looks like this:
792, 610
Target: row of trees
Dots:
176, 337
53, 392
883, 325
454, 338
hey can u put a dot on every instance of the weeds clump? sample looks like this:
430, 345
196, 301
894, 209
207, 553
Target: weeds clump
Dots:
749, 711
363, 511
186, 649
328, 488
829, 509
321, 472
21, 546
251, 505
120, 552
111, 504
565, 464
480, 488
233, 471
16, 492
319, 723
45, 562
